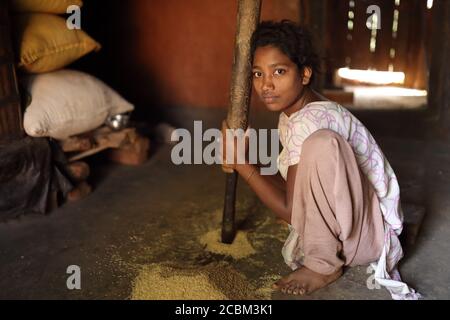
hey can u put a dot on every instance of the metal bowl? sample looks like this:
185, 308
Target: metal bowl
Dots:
118, 121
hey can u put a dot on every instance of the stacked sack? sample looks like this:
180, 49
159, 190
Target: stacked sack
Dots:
64, 102
43, 41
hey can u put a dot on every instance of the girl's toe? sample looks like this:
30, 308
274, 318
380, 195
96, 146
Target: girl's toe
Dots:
291, 288
296, 291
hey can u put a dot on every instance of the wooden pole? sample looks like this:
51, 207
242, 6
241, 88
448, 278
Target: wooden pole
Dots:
315, 18
439, 79
247, 20
10, 109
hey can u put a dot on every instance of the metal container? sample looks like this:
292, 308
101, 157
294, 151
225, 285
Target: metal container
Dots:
118, 121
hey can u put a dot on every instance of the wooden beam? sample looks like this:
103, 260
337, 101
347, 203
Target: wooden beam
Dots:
10, 108
316, 19
439, 80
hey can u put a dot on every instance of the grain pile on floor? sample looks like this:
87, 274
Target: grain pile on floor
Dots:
216, 281
240, 248
193, 263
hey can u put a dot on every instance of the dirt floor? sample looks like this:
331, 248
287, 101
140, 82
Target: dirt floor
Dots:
151, 232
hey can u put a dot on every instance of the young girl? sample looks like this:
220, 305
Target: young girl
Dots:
336, 190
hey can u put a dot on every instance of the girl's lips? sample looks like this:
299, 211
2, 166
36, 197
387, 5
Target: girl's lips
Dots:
269, 99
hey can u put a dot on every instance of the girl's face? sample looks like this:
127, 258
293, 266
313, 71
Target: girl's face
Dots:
277, 80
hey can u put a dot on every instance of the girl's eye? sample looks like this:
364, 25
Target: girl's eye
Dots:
257, 74
280, 71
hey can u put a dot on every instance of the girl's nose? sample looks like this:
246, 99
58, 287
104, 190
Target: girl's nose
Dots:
267, 84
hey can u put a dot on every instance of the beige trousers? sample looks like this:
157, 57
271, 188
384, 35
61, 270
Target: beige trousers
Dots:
336, 212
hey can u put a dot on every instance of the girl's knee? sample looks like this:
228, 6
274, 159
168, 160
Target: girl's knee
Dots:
320, 142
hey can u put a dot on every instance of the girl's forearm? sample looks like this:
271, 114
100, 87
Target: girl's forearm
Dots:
278, 181
266, 189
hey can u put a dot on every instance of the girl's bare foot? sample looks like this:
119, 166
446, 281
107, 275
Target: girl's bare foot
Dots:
305, 281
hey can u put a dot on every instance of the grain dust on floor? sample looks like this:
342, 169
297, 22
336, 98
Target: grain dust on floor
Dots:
240, 248
217, 281
200, 266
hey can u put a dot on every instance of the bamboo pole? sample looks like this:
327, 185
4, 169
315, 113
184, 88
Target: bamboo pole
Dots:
247, 20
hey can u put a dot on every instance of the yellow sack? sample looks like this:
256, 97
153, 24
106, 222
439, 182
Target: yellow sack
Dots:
44, 43
43, 6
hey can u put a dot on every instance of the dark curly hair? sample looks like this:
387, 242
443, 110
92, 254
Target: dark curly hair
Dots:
293, 40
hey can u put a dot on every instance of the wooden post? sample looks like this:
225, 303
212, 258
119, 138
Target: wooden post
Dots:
247, 20
10, 109
439, 79
313, 14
